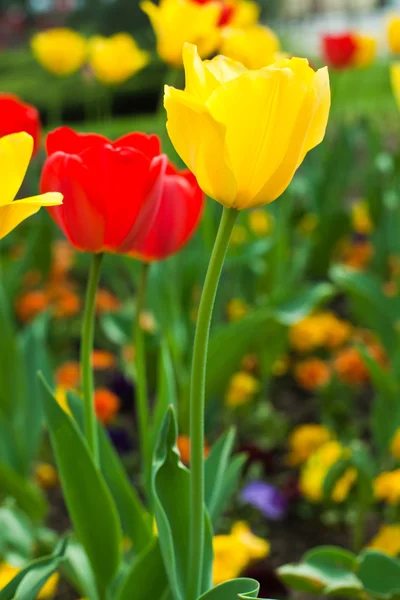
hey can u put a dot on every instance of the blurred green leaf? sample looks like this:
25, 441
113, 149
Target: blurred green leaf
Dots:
78, 570
230, 590
135, 520
303, 303
335, 473
379, 574
29, 581
25, 493
146, 578
90, 504
171, 491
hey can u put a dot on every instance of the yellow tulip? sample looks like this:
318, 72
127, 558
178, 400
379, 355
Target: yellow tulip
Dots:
244, 133
246, 14
15, 154
255, 47
395, 79
393, 33
116, 58
60, 51
178, 21
8, 572
366, 47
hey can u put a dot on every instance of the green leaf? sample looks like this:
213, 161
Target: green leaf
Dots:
146, 578
171, 491
33, 348
30, 580
303, 303
16, 532
331, 555
220, 477
26, 494
231, 590
78, 570
90, 504
379, 574
135, 520
167, 392
336, 471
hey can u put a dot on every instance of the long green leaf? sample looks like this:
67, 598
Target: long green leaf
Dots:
146, 578
88, 499
27, 495
232, 590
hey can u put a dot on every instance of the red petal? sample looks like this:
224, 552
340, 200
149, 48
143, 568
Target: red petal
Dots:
65, 139
149, 145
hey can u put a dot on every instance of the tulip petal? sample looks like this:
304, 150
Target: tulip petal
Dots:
14, 213
15, 153
259, 110
308, 131
203, 151
149, 145
65, 139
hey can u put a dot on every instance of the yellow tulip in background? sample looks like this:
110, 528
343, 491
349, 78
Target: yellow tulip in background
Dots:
15, 154
178, 21
395, 79
366, 50
115, 59
60, 51
255, 47
393, 33
246, 14
244, 133
48, 591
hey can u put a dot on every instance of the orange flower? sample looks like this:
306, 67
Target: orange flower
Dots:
357, 254
31, 304
183, 443
106, 301
106, 405
128, 353
67, 304
312, 374
63, 258
147, 322
350, 368
68, 375
46, 476
103, 360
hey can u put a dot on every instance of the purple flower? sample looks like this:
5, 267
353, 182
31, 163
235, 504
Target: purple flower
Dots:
267, 498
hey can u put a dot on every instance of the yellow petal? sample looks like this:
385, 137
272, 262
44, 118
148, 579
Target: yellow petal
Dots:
203, 151
259, 110
14, 213
308, 132
15, 154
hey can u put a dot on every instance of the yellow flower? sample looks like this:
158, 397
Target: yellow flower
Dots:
395, 79
62, 399
395, 445
365, 53
255, 47
244, 133
387, 540
116, 58
60, 51
15, 154
239, 235
233, 552
316, 468
361, 219
242, 389
393, 33
305, 440
46, 476
8, 572
387, 487
246, 14
236, 309
178, 21
260, 222
320, 330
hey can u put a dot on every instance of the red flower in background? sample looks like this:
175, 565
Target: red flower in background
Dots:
16, 116
120, 196
177, 217
227, 10
339, 50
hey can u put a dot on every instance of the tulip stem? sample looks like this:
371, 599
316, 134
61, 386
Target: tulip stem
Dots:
197, 402
141, 393
86, 358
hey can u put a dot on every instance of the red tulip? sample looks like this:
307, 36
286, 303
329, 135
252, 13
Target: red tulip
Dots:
16, 116
339, 50
111, 189
120, 196
177, 218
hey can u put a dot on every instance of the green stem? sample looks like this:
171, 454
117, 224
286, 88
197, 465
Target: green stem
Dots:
141, 394
86, 357
197, 401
